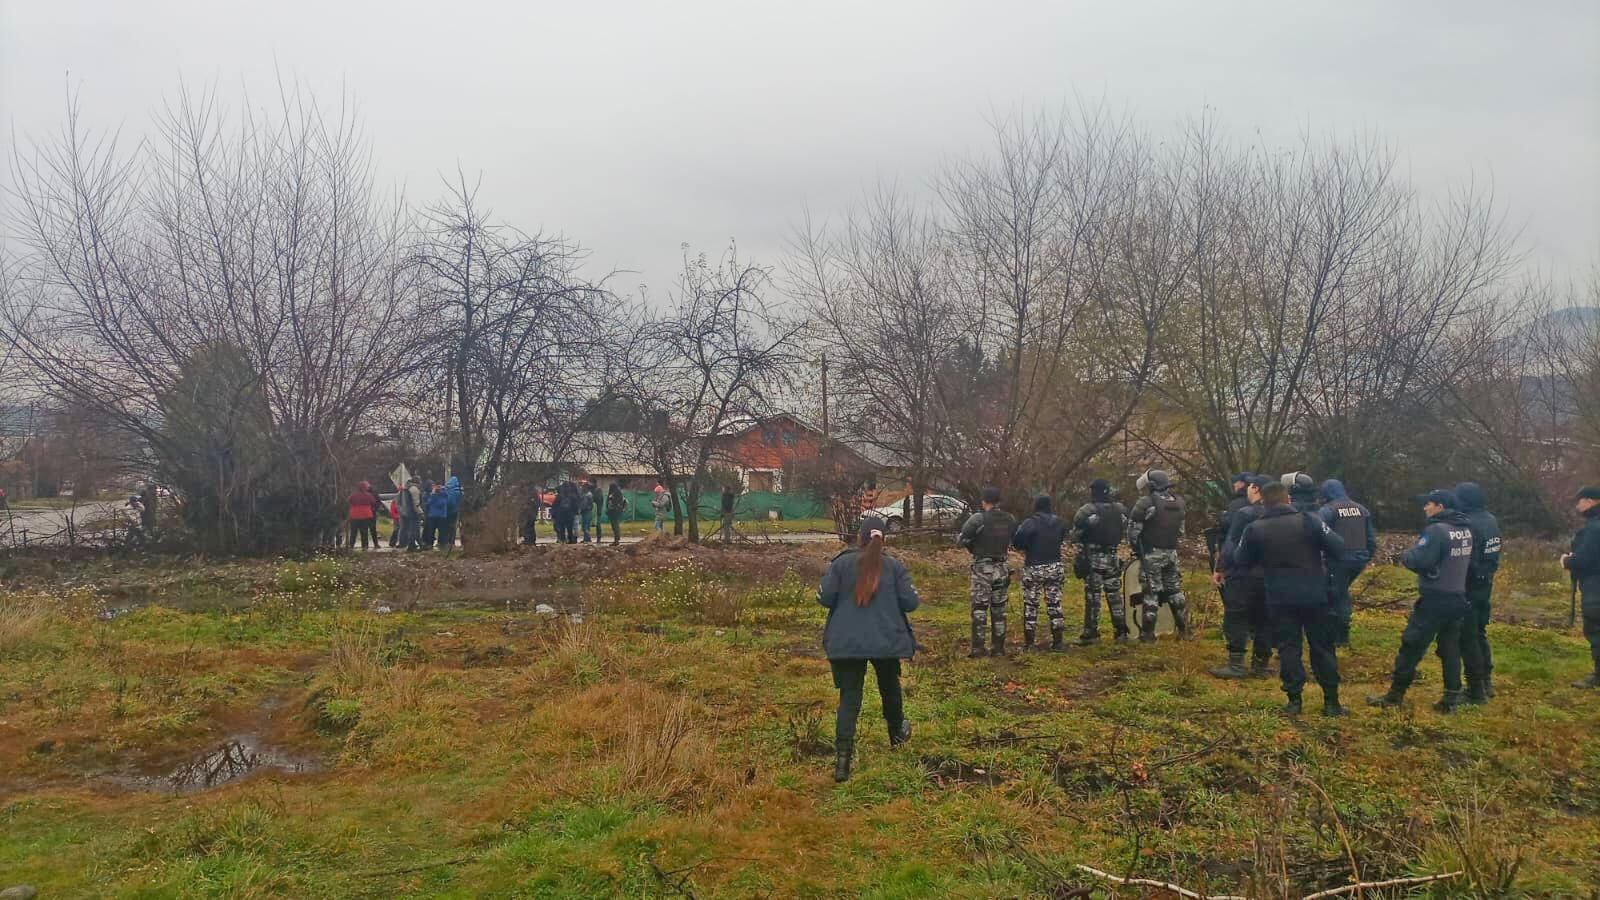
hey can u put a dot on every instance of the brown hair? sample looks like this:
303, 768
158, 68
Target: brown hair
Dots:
870, 567
1274, 493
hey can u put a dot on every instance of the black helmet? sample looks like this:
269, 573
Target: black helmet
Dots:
1298, 481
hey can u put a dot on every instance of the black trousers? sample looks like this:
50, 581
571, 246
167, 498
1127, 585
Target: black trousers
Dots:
616, 527
363, 528
1475, 658
1436, 619
849, 676
1245, 623
1340, 576
1318, 626
566, 522
1591, 628
432, 530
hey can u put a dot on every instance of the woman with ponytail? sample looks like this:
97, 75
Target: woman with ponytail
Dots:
867, 595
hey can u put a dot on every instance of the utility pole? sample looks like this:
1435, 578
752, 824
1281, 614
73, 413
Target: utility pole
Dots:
826, 434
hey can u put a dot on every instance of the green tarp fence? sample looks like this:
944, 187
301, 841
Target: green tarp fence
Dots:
751, 506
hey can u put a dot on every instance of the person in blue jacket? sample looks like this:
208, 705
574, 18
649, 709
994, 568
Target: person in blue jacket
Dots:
867, 595
1352, 522
1040, 537
437, 507
1292, 547
1440, 557
452, 490
1583, 563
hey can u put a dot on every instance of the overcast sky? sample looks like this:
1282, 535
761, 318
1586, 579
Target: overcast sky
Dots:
635, 127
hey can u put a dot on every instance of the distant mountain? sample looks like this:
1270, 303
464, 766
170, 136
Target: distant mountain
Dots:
1573, 318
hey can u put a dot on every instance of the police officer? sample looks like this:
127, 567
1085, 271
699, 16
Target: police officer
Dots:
1440, 557
1098, 528
1584, 564
1244, 594
1292, 547
1352, 522
988, 535
1040, 537
1155, 524
1302, 491
1475, 658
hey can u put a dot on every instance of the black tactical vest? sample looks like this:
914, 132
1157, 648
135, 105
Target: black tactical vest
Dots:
1107, 530
1349, 523
1287, 548
1452, 571
994, 536
1162, 528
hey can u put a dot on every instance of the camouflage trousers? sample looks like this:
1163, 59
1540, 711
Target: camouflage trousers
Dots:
991, 578
1160, 580
1042, 580
1104, 580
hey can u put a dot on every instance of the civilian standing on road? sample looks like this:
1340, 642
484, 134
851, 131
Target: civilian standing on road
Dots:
452, 489
616, 505
588, 511
437, 507
729, 498
661, 503
1583, 563
867, 595
364, 507
410, 502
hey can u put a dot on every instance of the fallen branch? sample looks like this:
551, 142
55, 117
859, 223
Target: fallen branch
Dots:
1393, 882
1149, 882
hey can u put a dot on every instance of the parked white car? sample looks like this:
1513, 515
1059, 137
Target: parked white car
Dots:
937, 509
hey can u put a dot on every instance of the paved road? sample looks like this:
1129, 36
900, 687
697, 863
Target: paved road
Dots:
49, 525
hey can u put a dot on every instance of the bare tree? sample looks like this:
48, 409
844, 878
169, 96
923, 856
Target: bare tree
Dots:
516, 337
1052, 239
884, 312
256, 247
722, 352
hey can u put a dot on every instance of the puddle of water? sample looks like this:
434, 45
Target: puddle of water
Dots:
240, 756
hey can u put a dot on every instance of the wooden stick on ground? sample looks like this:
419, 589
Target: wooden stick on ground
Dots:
1393, 882
1147, 882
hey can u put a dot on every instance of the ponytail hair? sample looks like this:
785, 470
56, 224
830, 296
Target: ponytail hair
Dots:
869, 569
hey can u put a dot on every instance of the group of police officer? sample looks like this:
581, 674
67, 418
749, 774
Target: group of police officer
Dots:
1284, 553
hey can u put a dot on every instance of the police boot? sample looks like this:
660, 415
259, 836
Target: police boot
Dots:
1292, 708
1448, 703
1147, 635
997, 644
1180, 622
1027, 638
1477, 694
1488, 685
1593, 681
843, 750
1234, 668
1058, 639
1395, 697
977, 642
1259, 666
1330, 703
1090, 637
898, 736
1123, 636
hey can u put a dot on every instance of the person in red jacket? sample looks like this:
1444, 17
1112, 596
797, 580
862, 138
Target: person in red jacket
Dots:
364, 507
